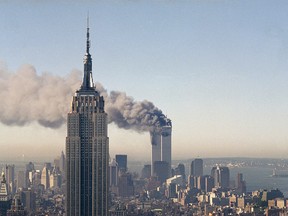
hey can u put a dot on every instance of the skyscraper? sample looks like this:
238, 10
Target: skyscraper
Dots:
221, 176
5, 200
45, 177
87, 149
10, 177
197, 167
161, 144
166, 151
122, 162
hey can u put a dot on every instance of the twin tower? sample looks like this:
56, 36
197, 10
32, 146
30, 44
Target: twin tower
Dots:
161, 149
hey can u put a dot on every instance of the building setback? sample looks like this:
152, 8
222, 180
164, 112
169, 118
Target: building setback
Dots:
87, 149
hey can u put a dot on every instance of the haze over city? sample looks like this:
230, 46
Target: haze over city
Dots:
217, 69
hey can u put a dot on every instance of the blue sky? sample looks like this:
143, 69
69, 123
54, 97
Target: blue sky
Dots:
218, 69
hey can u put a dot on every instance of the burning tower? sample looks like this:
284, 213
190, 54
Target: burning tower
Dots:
161, 144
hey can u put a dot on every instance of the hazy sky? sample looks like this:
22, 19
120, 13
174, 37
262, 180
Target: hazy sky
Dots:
218, 69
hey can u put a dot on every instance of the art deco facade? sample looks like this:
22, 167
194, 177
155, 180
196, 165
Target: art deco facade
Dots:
87, 149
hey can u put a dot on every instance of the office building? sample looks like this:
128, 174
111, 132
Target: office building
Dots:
161, 170
180, 170
87, 149
21, 180
28, 198
166, 151
196, 167
113, 173
17, 208
55, 178
161, 144
240, 184
221, 176
209, 183
146, 171
5, 197
10, 178
125, 185
122, 162
45, 177
62, 165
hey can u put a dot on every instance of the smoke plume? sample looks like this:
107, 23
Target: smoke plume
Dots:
28, 97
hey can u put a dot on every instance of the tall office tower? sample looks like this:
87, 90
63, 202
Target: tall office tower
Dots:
221, 176
87, 149
196, 167
21, 180
166, 152
17, 208
55, 178
209, 183
45, 177
156, 147
125, 185
62, 163
122, 162
28, 173
241, 184
10, 178
28, 198
180, 170
113, 173
161, 144
161, 170
5, 198
146, 171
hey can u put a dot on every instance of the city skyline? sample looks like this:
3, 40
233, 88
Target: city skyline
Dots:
218, 73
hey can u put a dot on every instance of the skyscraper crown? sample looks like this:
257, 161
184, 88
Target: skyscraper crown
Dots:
87, 83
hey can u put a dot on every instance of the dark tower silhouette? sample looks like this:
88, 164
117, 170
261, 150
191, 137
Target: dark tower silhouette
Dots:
87, 149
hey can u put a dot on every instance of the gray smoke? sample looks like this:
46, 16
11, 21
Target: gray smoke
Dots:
28, 97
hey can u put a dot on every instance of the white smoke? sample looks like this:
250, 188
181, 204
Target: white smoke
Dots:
28, 97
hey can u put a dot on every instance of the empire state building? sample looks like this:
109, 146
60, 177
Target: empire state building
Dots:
87, 149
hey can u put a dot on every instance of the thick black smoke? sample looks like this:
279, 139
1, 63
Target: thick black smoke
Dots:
28, 97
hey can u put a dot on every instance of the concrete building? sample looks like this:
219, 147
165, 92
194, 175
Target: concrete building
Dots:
17, 208
122, 162
146, 171
113, 173
180, 170
240, 184
28, 198
221, 176
196, 167
209, 183
161, 170
5, 196
87, 149
166, 148
161, 144
156, 147
10, 178
45, 177
62, 165
125, 185
21, 180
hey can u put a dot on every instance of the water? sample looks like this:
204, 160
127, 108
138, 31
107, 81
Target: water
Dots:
260, 178
256, 177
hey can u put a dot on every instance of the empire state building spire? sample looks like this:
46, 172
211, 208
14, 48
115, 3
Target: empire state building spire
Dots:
87, 149
87, 79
